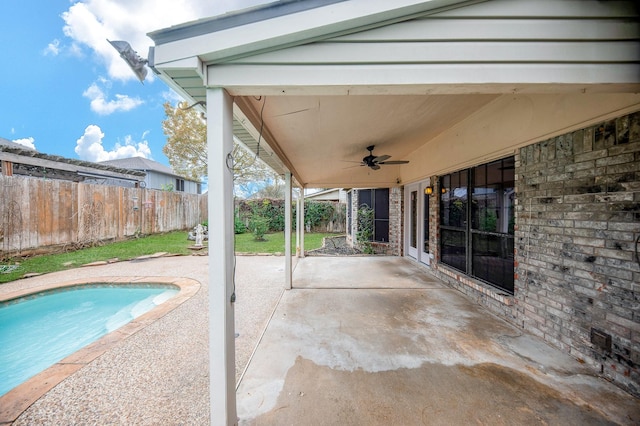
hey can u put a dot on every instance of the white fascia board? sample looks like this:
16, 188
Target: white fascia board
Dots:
244, 80
186, 63
296, 28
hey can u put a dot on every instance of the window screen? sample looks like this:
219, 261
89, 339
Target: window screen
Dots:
477, 222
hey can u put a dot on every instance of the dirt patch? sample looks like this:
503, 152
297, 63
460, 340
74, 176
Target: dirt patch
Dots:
335, 246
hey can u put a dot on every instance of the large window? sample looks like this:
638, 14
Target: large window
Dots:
453, 220
378, 200
476, 221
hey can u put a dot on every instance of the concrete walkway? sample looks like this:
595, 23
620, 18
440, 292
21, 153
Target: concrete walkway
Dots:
378, 341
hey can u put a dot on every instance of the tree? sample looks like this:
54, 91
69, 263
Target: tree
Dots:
273, 189
186, 148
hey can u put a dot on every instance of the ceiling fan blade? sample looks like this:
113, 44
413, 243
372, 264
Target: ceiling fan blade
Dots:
393, 162
375, 167
381, 158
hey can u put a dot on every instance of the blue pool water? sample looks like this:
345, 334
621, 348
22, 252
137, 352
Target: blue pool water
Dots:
36, 332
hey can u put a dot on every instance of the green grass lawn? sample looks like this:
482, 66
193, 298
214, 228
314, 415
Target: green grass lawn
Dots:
172, 242
274, 243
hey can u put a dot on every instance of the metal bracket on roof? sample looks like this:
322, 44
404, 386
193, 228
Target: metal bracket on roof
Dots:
203, 103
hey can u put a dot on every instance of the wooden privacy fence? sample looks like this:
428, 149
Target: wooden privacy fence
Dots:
40, 215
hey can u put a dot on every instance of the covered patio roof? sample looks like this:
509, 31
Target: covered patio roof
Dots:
432, 82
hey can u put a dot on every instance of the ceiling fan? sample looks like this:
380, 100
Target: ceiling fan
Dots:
374, 161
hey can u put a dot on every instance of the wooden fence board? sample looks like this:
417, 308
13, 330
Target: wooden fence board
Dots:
38, 213
65, 213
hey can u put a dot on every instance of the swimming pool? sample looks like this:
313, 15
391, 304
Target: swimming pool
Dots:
39, 330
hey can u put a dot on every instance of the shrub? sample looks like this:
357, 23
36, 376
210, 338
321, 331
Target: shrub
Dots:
271, 210
365, 229
238, 225
259, 226
316, 213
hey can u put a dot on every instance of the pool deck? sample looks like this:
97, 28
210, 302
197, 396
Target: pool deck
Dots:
156, 374
361, 340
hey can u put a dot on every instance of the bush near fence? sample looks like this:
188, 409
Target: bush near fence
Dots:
41, 216
319, 216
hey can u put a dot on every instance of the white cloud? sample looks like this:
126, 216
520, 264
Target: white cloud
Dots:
173, 97
91, 22
89, 146
76, 50
28, 142
102, 106
53, 48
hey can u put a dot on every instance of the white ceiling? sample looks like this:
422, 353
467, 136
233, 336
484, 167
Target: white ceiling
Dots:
325, 137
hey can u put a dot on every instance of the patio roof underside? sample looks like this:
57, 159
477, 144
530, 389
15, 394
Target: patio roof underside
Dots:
442, 84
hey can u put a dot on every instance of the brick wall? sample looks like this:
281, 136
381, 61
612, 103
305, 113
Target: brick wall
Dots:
352, 238
395, 245
578, 217
396, 239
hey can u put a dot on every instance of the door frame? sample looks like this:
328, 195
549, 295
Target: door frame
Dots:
410, 251
416, 253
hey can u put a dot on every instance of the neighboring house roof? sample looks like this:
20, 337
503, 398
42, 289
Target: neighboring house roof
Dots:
333, 194
144, 164
30, 162
7, 143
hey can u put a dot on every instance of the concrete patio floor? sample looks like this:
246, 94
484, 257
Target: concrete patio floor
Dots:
379, 341
359, 341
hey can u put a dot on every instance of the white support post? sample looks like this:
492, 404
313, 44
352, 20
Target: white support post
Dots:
301, 223
287, 231
222, 380
298, 226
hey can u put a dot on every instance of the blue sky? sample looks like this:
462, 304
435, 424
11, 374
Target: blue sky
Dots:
65, 90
